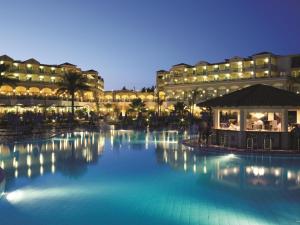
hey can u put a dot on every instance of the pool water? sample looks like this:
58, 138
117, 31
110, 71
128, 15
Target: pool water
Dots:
127, 177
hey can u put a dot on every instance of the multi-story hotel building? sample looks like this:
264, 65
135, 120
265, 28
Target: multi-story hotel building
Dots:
119, 100
37, 84
216, 79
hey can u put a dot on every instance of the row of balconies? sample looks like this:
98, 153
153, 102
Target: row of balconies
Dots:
37, 72
41, 97
31, 71
42, 82
213, 78
227, 70
123, 100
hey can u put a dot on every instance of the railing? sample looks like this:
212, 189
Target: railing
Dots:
39, 97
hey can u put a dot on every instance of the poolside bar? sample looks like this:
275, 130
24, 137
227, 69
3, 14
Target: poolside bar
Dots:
256, 117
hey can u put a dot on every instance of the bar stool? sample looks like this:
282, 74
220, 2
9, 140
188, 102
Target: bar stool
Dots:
251, 141
223, 140
267, 142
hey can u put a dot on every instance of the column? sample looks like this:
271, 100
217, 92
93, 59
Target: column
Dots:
284, 129
242, 133
242, 120
284, 120
298, 116
216, 118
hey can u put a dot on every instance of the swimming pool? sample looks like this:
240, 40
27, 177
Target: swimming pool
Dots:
128, 177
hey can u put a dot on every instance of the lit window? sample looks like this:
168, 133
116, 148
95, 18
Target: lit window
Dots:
194, 68
215, 66
1, 62
29, 65
266, 60
16, 64
204, 67
227, 65
185, 69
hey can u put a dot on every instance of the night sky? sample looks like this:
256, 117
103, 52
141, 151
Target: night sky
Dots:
127, 41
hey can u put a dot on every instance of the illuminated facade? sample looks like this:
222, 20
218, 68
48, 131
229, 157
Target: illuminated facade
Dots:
37, 84
216, 79
119, 101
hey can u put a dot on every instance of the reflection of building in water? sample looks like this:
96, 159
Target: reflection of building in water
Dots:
68, 153
2, 182
228, 170
141, 140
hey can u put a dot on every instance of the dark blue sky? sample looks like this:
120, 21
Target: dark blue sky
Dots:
127, 41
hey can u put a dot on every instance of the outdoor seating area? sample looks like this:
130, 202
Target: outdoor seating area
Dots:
257, 117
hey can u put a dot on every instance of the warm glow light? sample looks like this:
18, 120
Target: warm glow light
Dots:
258, 115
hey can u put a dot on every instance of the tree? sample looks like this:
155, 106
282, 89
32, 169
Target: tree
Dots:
291, 81
6, 79
192, 100
159, 103
137, 105
179, 108
73, 82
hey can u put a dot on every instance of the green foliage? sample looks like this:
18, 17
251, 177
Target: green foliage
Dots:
179, 108
73, 82
137, 105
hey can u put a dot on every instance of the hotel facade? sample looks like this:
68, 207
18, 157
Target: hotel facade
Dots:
118, 102
210, 80
37, 83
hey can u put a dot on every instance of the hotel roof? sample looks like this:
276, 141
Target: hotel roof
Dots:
256, 95
5, 58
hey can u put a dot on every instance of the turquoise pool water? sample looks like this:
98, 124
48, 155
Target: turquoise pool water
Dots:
126, 177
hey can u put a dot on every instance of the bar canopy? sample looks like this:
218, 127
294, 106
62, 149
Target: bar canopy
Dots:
256, 95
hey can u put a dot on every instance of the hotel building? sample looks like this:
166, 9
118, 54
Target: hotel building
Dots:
216, 79
37, 84
118, 101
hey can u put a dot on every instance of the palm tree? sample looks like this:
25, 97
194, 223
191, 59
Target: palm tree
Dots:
6, 79
137, 105
193, 100
159, 102
179, 108
291, 81
73, 82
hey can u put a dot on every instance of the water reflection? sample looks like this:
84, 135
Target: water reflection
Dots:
197, 185
68, 154
71, 153
244, 172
